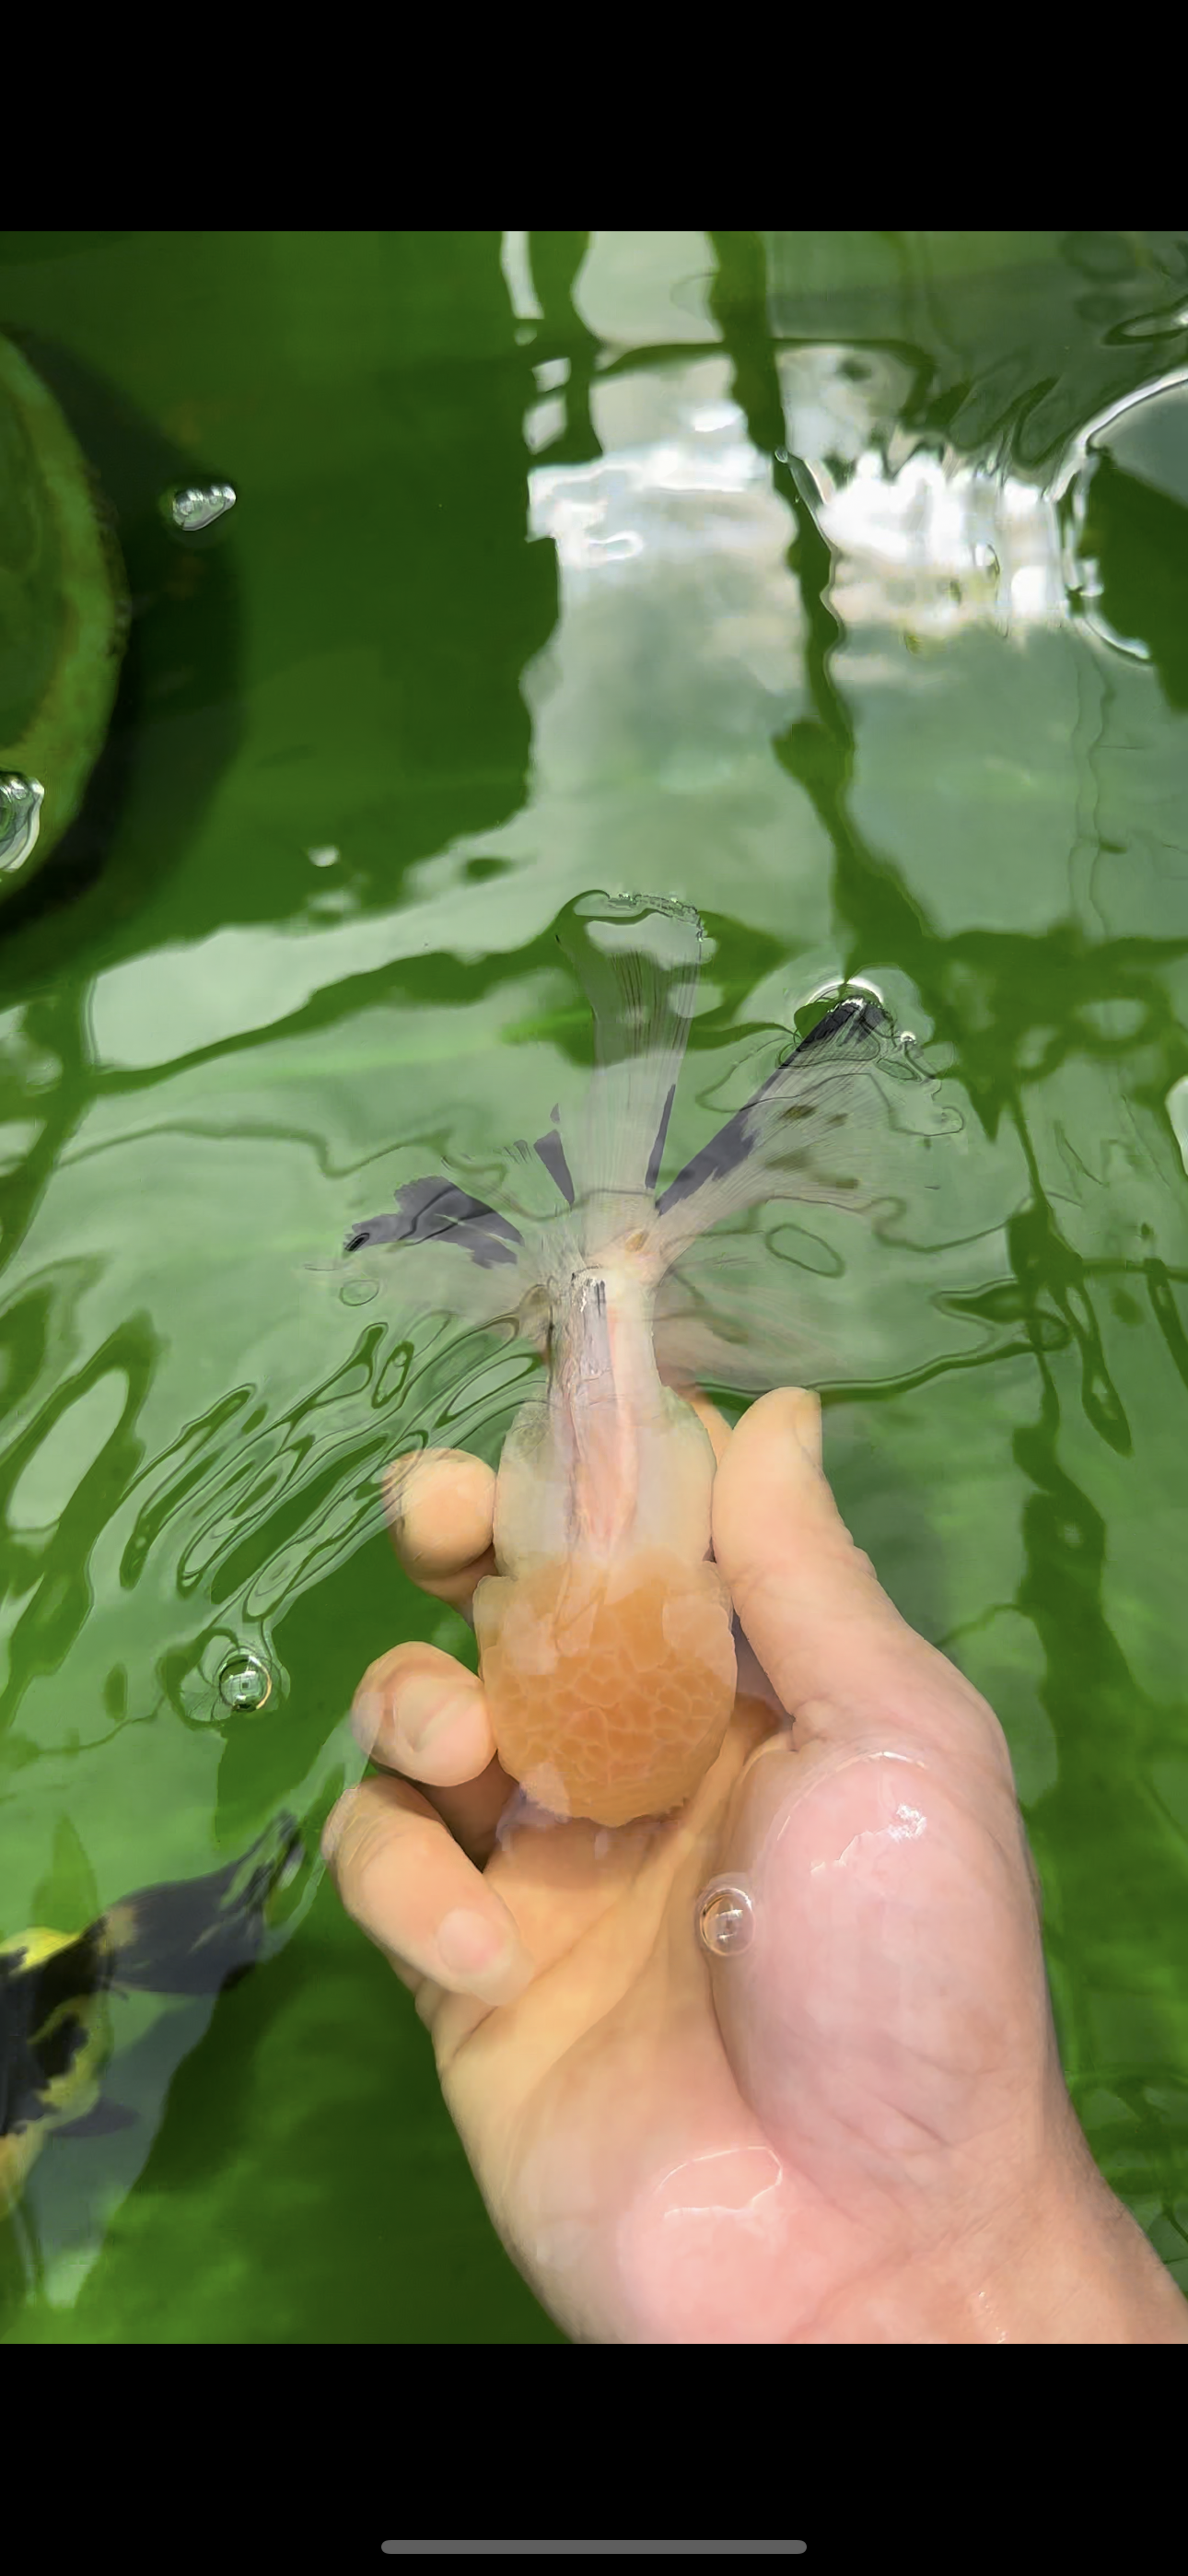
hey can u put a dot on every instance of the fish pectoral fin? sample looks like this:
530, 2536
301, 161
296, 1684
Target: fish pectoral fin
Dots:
103, 2120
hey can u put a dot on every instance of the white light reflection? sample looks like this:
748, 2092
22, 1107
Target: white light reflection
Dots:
582, 508
940, 545
513, 259
688, 517
544, 422
925, 542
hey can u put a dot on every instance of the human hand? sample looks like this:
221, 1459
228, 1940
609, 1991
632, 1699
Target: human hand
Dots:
853, 2130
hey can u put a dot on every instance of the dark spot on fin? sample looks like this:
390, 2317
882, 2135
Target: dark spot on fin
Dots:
435, 1207
858, 1015
729, 1147
656, 1156
861, 1011
552, 1155
103, 2121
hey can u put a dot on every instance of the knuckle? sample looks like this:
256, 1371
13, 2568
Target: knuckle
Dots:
365, 1886
359, 1853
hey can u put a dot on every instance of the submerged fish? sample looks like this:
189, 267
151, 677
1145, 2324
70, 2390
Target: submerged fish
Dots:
605, 1636
194, 1938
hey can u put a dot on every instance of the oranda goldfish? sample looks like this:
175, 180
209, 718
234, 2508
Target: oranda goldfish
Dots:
605, 1635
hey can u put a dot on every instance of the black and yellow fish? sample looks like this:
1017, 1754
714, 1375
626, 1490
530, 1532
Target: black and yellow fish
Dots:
192, 1938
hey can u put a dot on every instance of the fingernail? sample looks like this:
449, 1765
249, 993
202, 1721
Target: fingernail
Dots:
423, 1716
490, 1960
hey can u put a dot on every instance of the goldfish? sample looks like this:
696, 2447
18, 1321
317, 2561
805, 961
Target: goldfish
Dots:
606, 1632
191, 1938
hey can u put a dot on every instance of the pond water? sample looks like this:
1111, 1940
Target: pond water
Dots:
834, 583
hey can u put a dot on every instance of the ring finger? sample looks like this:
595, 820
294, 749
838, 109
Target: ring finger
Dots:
422, 1715
409, 1887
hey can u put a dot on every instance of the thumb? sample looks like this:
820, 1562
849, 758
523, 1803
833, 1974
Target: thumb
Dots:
831, 1643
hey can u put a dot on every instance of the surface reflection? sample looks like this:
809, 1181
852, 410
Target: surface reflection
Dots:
1076, 1052
834, 584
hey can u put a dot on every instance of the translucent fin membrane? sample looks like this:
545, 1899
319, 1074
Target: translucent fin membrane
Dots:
813, 1131
638, 958
605, 1634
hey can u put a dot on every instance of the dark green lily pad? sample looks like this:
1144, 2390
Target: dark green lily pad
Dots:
63, 619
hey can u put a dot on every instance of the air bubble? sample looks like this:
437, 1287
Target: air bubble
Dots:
725, 1918
198, 505
244, 1682
20, 818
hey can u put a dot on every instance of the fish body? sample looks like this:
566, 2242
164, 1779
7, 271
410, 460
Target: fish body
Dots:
192, 1938
605, 1634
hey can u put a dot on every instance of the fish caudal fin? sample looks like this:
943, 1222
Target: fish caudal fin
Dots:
201, 1934
816, 1130
638, 959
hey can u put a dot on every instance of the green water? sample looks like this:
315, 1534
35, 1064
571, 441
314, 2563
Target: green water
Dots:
563, 562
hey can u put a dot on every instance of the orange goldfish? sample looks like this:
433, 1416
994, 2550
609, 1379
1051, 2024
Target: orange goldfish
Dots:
606, 1635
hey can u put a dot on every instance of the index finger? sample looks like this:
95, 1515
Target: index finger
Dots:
837, 1651
441, 1511
441, 1508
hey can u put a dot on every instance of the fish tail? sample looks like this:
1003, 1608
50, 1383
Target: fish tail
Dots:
637, 957
815, 1130
198, 1935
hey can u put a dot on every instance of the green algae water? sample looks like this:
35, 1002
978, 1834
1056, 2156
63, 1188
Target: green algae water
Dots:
834, 583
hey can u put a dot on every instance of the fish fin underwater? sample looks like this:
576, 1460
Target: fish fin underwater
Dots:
191, 1937
106, 2120
817, 1130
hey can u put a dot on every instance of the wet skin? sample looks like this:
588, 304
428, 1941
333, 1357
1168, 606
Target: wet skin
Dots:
857, 2130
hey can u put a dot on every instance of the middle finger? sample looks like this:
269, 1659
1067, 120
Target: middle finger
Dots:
420, 1714
440, 1505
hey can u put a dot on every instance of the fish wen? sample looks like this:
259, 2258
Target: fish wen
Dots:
606, 1632
194, 1937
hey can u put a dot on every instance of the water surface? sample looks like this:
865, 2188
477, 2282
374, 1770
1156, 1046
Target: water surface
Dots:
834, 583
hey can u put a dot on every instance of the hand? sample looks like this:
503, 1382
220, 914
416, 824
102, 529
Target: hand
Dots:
856, 2129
